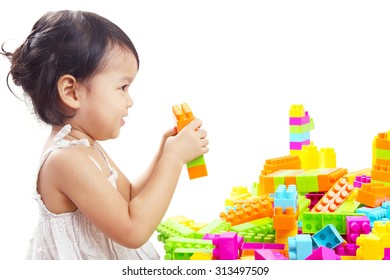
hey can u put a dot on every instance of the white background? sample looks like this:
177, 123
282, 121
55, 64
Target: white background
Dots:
239, 65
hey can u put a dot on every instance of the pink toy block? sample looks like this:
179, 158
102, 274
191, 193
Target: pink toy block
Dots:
268, 254
357, 225
323, 253
314, 198
363, 179
258, 245
301, 120
227, 246
298, 145
348, 249
387, 254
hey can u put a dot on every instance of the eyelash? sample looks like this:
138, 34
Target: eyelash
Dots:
124, 87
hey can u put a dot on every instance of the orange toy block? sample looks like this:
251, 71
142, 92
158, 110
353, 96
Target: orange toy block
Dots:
197, 171
380, 173
285, 221
260, 207
381, 141
329, 177
183, 115
334, 197
373, 194
286, 162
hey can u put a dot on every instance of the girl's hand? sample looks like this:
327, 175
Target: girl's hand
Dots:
188, 144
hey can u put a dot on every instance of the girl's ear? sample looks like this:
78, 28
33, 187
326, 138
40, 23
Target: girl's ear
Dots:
66, 87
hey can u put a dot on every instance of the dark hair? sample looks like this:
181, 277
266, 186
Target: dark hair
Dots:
63, 42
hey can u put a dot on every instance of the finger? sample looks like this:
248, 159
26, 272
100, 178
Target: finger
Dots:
202, 133
195, 124
204, 142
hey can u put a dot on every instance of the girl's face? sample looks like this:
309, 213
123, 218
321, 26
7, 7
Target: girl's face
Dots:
105, 101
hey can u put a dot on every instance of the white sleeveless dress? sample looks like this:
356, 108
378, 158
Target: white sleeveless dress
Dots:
71, 236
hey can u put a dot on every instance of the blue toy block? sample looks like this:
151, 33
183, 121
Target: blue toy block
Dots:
286, 197
299, 246
328, 237
374, 214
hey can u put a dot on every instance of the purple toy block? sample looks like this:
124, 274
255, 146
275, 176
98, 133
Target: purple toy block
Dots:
387, 254
298, 145
323, 253
314, 198
210, 236
227, 246
359, 180
268, 254
301, 120
357, 225
259, 245
348, 249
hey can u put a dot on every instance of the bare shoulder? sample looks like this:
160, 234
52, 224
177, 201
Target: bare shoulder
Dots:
59, 175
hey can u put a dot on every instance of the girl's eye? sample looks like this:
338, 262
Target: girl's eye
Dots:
124, 87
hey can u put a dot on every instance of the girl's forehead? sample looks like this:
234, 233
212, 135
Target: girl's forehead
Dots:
120, 59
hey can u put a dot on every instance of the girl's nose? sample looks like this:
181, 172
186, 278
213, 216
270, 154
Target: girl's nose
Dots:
130, 101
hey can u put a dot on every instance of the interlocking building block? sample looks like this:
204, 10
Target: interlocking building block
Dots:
286, 220
334, 197
373, 194
362, 179
269, 254
170, 228
310, 157
286, 197
174, 243
328, 237
380, 173
299, 246
313, 222
183, 114
296, 111
327, 158
374, 214
285, 162
248, 248
381, 142
260, 230
372, 245
227, 246
356, 226
323, 253
188, 253
260, 208
214, 227
387, 254
346, 249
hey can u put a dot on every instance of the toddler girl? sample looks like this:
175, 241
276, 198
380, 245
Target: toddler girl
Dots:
77, 67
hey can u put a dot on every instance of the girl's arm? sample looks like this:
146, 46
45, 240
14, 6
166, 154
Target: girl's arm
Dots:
130, 223
138, 185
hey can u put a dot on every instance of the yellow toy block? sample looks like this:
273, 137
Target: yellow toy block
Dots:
327, 158
296, 111
182, 220
200, 256
310, 157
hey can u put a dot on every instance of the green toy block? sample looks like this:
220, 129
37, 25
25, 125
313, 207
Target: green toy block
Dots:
170, 228
215, 227
186, 253
382, 154
195, 162
172, 244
